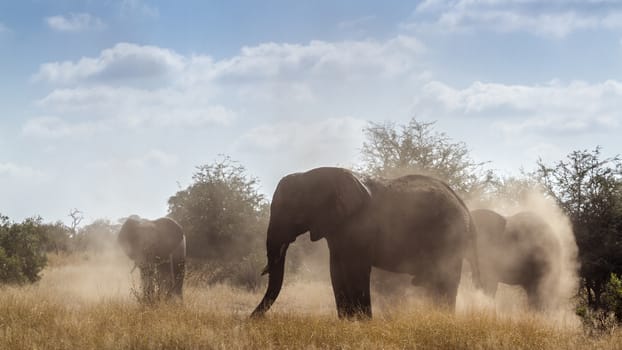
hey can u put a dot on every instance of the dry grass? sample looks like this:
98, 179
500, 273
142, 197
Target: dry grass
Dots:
88, 305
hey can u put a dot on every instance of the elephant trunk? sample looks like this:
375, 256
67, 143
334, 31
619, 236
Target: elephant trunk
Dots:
276, 270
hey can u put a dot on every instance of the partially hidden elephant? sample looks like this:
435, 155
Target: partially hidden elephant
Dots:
522, 250
413, 224
158, 249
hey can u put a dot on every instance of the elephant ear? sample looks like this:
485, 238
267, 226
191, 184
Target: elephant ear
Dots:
128, 237
167, 236
343, 195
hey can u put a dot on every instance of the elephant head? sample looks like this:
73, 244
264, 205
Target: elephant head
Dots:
146, 241
318, 201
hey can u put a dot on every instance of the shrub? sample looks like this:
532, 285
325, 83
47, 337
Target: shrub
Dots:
22, 250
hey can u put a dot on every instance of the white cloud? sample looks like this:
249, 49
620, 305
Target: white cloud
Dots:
265, 61
12, 170
342, 60
53, 127
122, 62
75, 22
555, 19
137, 108
131, 85
574, 107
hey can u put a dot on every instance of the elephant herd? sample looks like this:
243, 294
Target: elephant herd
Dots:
413, 224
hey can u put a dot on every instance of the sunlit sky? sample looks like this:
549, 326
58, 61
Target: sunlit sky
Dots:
108, 106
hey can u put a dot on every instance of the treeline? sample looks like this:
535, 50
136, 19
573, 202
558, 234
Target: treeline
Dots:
24, 245
225, 216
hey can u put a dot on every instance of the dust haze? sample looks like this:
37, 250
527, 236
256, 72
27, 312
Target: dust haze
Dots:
107, 276
560, 293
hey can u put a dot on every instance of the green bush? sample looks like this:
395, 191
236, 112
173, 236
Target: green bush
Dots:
612, 298
224, 218
22, 250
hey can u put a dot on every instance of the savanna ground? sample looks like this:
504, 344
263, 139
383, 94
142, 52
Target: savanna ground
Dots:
87, 303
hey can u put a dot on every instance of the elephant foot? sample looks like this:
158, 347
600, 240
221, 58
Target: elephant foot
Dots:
443, 294
355, 313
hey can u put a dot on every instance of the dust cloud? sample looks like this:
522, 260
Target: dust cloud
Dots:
88, 278
561, 291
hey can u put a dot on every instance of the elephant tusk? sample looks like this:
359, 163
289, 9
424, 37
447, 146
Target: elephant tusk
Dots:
265, 270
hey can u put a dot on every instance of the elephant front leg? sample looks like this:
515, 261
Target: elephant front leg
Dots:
164, 281
147, 276
350, 279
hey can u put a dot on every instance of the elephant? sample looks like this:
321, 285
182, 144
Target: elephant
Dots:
522, 250
158, 249
414, 224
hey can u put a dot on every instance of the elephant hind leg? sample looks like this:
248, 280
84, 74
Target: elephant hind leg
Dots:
444, 285
350, 281
444, 293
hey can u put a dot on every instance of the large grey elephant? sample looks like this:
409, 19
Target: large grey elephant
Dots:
413, 224
521, 250
158, 248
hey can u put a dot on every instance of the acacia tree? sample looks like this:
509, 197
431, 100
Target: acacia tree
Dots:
224, 217
392, 150
588, 188
219, 210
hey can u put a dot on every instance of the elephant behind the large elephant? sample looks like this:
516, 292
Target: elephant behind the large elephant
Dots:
522, 250
158, 249
413, 224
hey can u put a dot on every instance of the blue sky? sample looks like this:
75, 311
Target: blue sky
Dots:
108, 106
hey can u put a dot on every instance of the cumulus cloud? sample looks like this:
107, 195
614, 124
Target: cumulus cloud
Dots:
349, 59
133, 85
557, 18
298, 82
75, 22
122, 62
573, 107
264, 61
137, 108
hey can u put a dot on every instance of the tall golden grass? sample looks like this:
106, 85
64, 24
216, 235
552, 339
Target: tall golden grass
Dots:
86, 303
